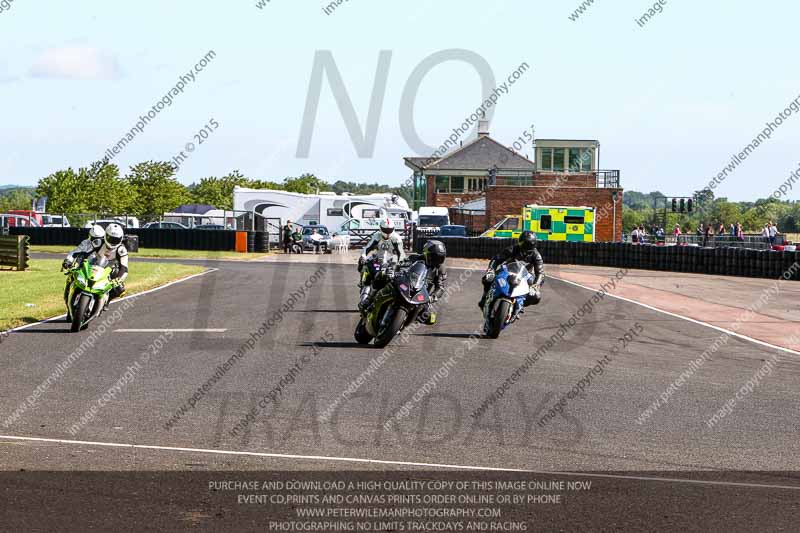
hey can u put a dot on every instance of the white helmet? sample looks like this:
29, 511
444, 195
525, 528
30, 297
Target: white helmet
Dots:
114, 235
97, 232
387, 227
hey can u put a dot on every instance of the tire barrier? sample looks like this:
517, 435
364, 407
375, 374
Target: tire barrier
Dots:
261, 242
737, 261
251, 241
174, 239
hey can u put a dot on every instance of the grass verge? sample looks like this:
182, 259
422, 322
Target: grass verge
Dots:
43, 286
160, 253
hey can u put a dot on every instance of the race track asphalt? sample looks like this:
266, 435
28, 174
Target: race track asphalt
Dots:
596, 432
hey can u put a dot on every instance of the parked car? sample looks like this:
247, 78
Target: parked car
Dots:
132, 222
210, 226
324, 240
164, 225
453, 231
7, 220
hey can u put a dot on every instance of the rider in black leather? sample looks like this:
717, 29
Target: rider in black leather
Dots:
433, 254
523, 250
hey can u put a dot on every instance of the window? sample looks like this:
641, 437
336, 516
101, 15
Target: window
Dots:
546, 222
476, 184
580, 159
510, 224
442, 184
547, 159
457, 184
335, 212
573, 220
558, 159
371, 213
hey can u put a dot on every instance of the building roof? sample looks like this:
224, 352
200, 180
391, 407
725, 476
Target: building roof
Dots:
482, 153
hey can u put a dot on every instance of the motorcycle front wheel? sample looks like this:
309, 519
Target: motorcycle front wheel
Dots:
498, 319
362, 335
79, 313
387, 333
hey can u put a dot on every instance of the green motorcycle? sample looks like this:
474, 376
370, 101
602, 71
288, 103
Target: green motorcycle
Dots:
89, 284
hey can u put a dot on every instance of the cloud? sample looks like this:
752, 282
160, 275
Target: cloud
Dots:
76, 63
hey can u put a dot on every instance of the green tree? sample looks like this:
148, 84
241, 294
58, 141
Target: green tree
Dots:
67, 191
111, 194
16, 198
726, 212
305, 184
156, 189
632, 219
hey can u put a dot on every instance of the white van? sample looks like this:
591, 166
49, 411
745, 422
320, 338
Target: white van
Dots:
431, 219
55, 221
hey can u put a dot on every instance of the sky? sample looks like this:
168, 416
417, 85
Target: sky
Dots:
670, 102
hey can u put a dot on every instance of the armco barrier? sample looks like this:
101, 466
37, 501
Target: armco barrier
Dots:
175, 239
716, 261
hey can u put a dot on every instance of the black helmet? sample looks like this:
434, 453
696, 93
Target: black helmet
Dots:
527, 241
434, 252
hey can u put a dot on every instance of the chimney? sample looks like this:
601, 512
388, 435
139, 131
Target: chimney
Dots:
483, 128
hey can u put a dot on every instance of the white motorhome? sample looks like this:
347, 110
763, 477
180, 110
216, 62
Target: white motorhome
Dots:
341, 213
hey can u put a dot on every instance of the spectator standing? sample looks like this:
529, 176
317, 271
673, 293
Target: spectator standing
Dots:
287, 236
721, 229
773, 232
635, 235
739, 231
733, 230
708, 235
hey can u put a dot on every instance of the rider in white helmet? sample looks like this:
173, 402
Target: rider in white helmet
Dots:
117, 255
86, 248
384, 240
96, 236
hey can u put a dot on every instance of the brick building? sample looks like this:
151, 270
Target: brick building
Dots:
486, 173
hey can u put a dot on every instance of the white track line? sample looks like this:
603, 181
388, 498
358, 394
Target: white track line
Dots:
699, 322
170, 330
171, 283
398, 463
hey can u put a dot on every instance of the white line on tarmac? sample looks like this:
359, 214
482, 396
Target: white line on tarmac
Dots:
400, 463
171, 283
170, 330
699, 322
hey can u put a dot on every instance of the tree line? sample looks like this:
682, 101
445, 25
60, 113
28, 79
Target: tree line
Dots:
639, 211
150, 189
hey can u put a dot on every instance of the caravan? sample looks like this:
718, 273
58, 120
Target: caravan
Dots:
340, 213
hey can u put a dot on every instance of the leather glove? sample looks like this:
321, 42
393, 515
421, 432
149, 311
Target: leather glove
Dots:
66, 265
489, 276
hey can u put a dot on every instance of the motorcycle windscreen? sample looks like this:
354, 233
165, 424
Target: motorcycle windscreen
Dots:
518, 279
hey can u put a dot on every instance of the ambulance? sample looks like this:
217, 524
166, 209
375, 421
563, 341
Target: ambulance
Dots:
549, 222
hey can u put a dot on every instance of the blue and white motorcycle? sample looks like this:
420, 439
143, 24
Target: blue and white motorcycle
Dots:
511, 284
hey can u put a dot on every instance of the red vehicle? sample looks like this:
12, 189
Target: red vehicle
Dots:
32, 215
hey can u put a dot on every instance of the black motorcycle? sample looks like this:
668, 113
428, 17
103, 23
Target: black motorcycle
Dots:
395, 305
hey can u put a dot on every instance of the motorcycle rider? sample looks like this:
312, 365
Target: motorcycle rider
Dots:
117, 255
86, 248
523, 250
383, 240
433, 254
110, 246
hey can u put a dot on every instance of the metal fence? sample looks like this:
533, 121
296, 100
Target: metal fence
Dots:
751, 241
